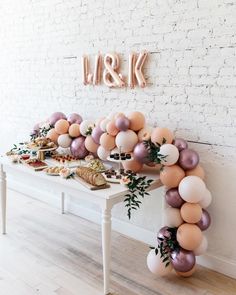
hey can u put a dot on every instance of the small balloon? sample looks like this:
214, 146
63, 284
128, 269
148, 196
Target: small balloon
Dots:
137, 121
74, 118
132, 165
191, 213
90, 145
52, 135
62, 126
171, 176
74, 130
187, 274
161, 136
188, 159
206, 200
197, 171
163, 233
173, 198
86, 127
126, 140
192, 189
96, 134
107, 141
183, 260
56, 117
205, 220
78, 149
181, 144
156, 266
141, 153
189, 236
122, 123
202, 248
169, 154
102, 153
172, 217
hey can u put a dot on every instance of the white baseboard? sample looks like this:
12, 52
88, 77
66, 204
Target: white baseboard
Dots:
217, 263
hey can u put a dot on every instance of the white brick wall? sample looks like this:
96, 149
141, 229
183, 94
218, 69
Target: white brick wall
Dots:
191, 74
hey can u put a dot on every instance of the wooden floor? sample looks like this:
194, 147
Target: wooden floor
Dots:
48, 253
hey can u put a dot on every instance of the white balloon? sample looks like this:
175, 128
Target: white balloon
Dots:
103, 124
64, 140
201, 249
206, 200
172, 217
126, 140
102, 153
171, 154
192, 189
85, 125
156, 266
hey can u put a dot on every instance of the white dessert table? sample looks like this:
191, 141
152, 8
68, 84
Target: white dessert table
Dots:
105, 198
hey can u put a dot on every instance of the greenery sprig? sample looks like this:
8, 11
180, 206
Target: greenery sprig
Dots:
167, 245
19, 149
43, 131
154, 151
137, 188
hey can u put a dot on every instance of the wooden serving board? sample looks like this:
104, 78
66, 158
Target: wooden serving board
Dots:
90, 186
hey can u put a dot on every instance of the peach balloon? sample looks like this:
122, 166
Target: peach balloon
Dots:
137, 121
53, 135
171, 176
111, 128
197, 171
187, 273
117, 115
144, 134
162, 135
90, 145
189, 236
62, 126
132, 165
74, 130
191, 213
107, 141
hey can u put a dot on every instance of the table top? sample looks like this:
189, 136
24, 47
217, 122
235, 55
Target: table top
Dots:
115, 189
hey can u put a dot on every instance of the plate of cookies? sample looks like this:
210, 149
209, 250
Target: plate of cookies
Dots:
53, 171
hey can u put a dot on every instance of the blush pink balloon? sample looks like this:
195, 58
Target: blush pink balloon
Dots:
74, 118
78, 149
56, 117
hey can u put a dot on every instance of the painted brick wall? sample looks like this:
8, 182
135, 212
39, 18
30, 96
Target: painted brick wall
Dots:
191, 74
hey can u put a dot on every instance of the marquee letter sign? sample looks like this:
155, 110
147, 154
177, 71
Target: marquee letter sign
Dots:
111, 75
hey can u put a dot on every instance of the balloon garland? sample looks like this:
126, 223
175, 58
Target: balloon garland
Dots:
186, 195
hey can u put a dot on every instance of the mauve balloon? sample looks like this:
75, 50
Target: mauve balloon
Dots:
74, 118
122, 123
55, 117
181, 144
188, 159
183, 260
141, 153
96, 134
163, 232
205, 220
173, 198
78, 149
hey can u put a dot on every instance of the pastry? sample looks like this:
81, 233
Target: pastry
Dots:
90, 176
96, 165
53, 170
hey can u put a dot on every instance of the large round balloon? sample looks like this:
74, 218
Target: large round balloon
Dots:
96, 134
163, 233
188, 159
191, 213
156, 266
145, 133
171, 176
206, 200
137, 121
53, 135
90, 145
173, 198
197, 171
172, 217
111, 128
102, 153
85, 127
107, 141
161, 136
183, 260
205, 220
126, 140
169, 154
122, 123
64, 140
132, 165
202, 248
192, 189
78, 149
56, 117
62, 126
74, 118
181, 144
74, 130
141, 153
189, 236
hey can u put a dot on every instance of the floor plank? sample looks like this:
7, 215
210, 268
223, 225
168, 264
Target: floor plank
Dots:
47, 253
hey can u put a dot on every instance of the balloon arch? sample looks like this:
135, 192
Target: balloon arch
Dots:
186, 195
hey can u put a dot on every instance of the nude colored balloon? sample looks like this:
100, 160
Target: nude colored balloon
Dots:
90, 145
202, 248
111, 128
102, 153
137, 121
132, 165
74, 130
197, 171
189, 236
188, 273
85, 126
53, 135
191, 213
159, 135
171, 176
107, 141
145, 133
103, 124
156, 266
172, 217
62, 126
170, 154
64, 140
192, 189
126, 140
206, 200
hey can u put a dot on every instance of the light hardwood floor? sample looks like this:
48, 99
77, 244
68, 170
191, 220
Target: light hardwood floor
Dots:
48, 253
